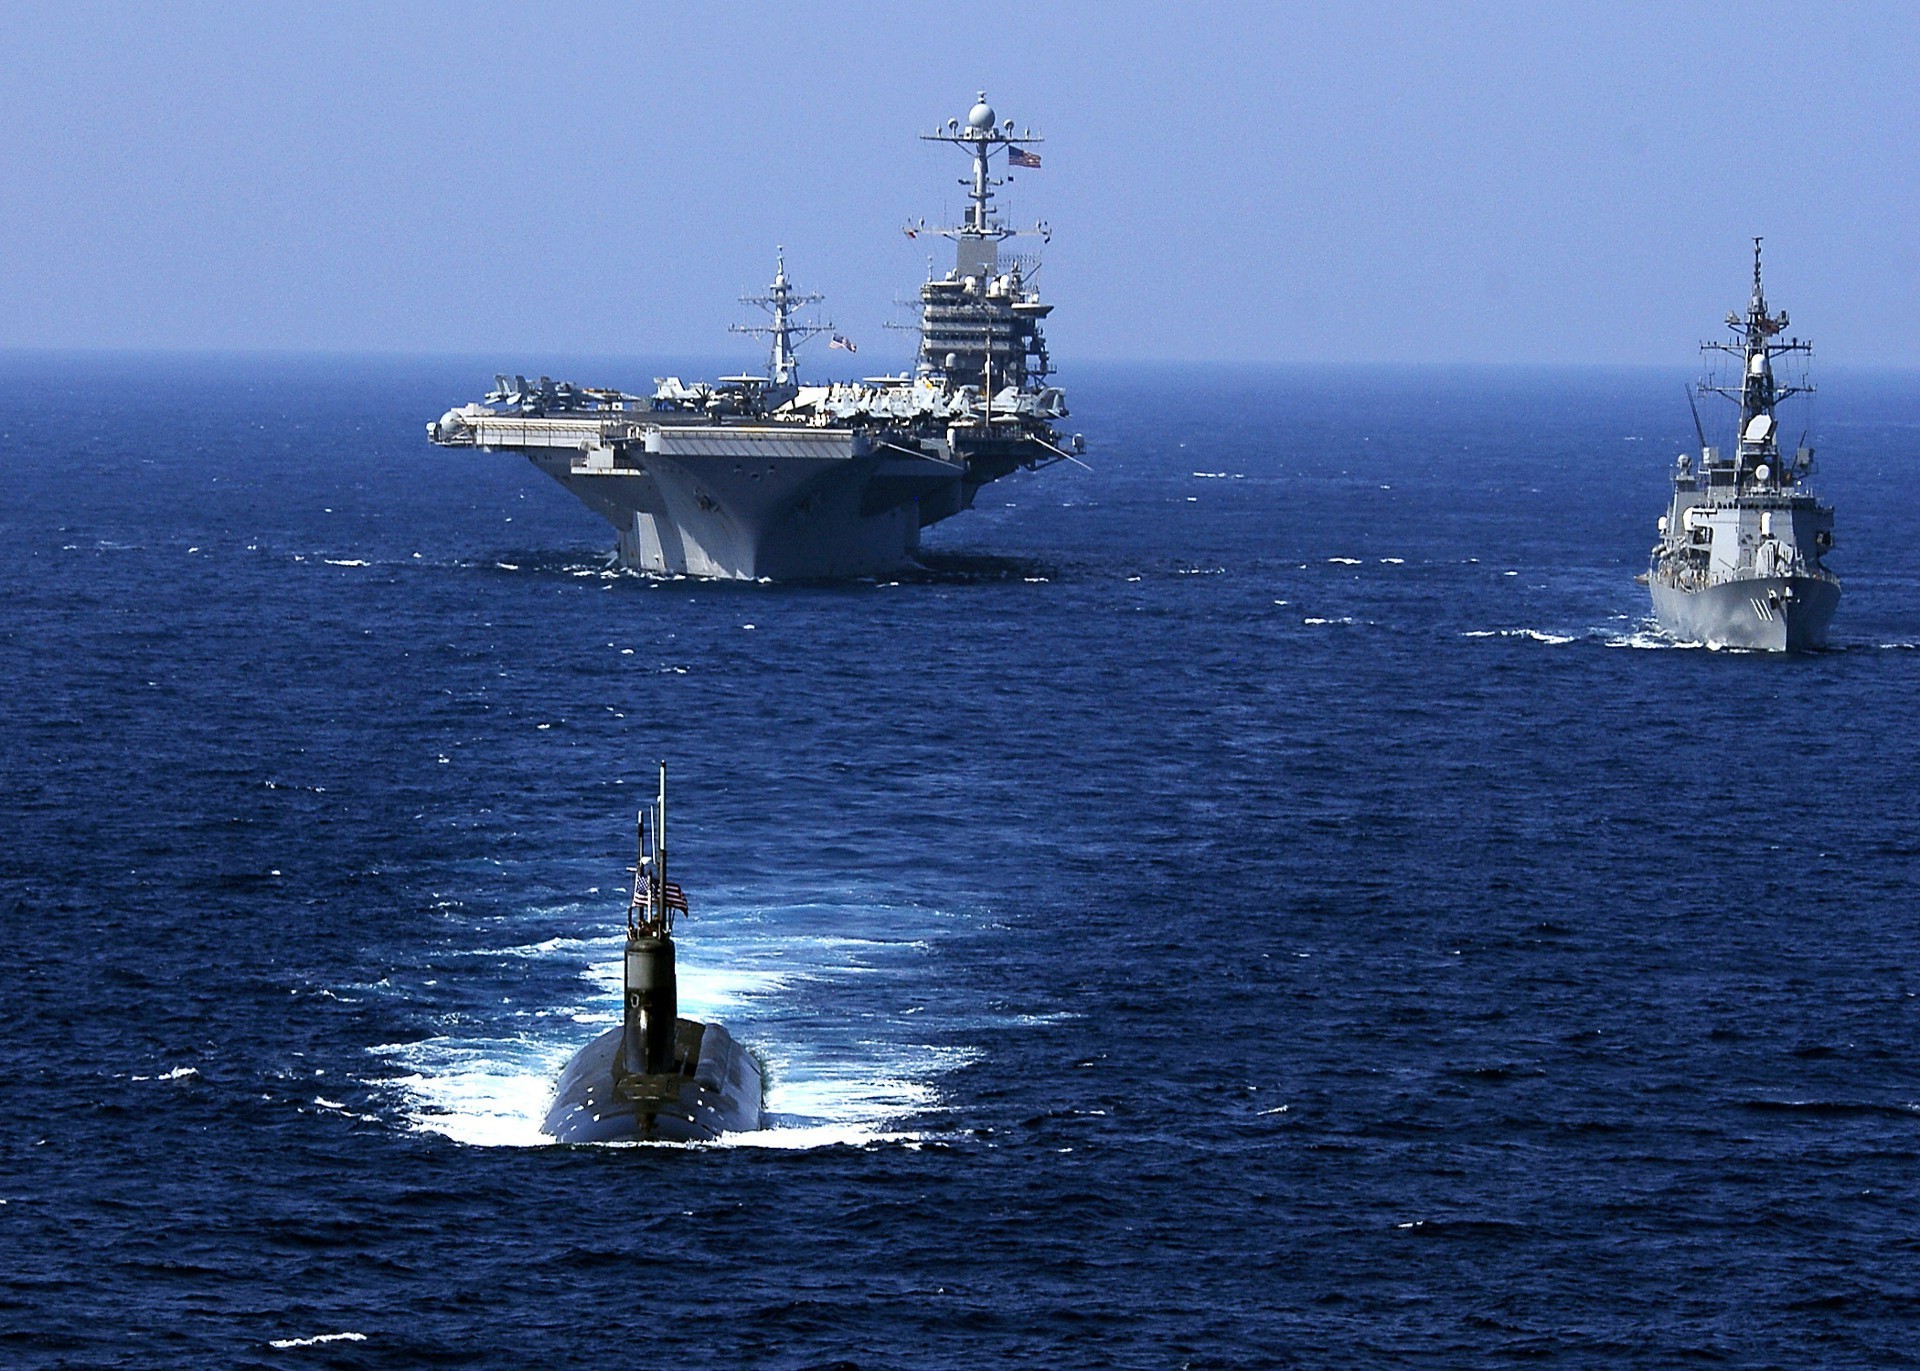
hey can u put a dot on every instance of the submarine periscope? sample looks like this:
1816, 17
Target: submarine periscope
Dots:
656, 1077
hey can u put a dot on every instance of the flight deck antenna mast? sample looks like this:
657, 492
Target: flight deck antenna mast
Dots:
780, 300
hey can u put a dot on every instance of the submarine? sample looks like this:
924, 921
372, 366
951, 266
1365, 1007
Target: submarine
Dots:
655, 1077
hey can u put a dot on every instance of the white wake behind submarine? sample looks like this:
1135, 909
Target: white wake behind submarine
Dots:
656, 1076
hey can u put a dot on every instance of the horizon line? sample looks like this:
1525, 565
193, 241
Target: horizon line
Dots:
504, 356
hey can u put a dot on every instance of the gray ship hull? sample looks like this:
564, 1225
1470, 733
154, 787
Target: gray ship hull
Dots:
780, 506
1760, 613
753, 502
597, 1100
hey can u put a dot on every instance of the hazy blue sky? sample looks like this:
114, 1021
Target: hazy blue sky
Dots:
1329, 182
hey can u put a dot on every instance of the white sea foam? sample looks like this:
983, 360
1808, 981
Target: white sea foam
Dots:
283, 1344
1344, 619
1530, 634
485, 1092
1648, 639
546, 946
1345, 561
753, 971
1645, 636
343, 561
179, 1073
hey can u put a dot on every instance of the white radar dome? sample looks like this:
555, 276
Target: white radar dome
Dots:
981, 115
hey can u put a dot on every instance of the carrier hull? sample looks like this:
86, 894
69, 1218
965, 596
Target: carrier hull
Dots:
1760, 613
737, 504
756, 502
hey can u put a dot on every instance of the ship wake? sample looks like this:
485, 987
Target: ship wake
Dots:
848, 1061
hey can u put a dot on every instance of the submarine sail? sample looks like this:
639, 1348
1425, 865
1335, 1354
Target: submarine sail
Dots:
656, 1076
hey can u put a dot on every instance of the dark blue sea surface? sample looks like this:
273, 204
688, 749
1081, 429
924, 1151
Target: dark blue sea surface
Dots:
1269, 900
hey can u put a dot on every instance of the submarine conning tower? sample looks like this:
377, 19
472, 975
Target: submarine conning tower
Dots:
651, 989
656, 1077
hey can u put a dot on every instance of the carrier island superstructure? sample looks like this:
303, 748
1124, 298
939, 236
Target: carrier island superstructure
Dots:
768, 477
1739, 561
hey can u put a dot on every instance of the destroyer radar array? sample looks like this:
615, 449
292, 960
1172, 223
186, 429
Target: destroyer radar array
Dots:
768, 477
1740, 558
655, 1077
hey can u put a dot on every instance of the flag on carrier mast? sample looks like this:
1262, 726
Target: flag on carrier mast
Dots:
837, 341
1020, 157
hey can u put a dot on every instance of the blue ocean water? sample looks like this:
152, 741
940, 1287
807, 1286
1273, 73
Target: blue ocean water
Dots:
1269, 900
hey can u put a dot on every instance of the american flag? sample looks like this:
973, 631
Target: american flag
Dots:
1020, 157
837, 341
673, 897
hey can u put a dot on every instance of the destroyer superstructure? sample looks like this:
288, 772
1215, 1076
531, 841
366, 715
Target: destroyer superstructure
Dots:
1740, 557
752, 477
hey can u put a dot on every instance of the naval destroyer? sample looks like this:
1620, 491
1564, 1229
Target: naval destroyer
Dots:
769, 477
1740, 558
655, 1076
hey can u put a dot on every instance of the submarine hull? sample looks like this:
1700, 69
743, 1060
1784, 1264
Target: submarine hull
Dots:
717, 1089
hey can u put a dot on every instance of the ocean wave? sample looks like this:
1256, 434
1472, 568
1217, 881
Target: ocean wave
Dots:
1534, 635
1646, 639
764, 980
285, 1344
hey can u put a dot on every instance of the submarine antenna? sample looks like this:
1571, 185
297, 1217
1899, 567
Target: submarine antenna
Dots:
660, 851
634, 916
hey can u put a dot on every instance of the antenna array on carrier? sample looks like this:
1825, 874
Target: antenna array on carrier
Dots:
783, 366
984, 138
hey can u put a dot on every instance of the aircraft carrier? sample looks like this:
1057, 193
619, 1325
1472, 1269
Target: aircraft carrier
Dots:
767, 477
1739, 561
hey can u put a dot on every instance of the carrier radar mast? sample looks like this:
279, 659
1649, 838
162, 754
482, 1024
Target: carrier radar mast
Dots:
983, 137
783, 365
